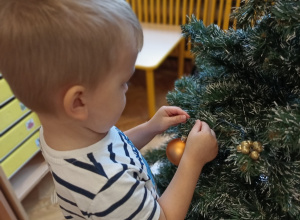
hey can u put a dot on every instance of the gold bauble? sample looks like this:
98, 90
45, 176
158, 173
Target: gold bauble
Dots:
245, 149
254, 155
175, 149
250, 142
239, 148
245, 143
257, 146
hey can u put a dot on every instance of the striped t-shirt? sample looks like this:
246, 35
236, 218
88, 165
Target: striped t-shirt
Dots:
107, 180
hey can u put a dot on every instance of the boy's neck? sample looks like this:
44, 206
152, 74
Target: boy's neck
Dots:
63, 136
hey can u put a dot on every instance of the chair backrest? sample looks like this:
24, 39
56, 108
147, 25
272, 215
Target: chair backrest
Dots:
175, 12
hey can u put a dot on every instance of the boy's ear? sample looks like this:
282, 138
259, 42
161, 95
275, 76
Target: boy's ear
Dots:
74, 102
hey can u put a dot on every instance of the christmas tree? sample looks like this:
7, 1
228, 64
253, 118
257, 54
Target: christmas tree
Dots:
247, 88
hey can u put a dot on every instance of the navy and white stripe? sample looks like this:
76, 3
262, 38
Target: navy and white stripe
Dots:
107, 180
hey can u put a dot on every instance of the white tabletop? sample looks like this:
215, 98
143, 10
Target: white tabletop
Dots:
159, 41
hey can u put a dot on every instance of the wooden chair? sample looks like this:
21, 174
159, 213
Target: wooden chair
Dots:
10, 207
161, 20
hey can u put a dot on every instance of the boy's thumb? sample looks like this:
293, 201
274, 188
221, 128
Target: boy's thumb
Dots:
197, 127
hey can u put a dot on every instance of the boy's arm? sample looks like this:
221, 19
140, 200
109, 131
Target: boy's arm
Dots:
165, 117
201, 147
140, 135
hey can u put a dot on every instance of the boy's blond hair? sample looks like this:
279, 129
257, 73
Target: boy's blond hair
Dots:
48, 45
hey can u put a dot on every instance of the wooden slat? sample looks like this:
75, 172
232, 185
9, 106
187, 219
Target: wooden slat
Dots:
177, 11
191, 8
237, 5
205, 12
198, 9
164, 11
140, 10
212, 12
152, 15
146, 11
183, 14
220, 14
158, 11
227, 14
171, 11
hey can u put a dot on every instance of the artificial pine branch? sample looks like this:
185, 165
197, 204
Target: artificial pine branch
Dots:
247, 88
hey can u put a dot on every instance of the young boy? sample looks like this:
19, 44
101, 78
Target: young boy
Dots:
70, 61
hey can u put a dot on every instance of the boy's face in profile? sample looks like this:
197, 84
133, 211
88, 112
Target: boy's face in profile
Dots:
109, 98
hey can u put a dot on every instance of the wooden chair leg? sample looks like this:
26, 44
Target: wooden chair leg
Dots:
150, 92
181, 58
5, 210
10, 196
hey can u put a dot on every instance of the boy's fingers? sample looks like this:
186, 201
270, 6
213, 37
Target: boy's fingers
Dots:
173, 110
197, 127
177, 119
205, 127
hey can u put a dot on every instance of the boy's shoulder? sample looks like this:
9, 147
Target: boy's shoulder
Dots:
114, 147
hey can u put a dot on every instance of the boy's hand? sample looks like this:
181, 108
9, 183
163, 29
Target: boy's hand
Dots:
166, 117
201, 143
201, 147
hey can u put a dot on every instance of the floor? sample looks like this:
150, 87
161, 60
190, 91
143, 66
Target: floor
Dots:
40, 203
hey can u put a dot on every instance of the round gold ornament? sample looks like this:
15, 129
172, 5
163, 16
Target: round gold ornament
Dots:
245, 149
175, 149
245, 143
250, 142
257, 146
239, 148
254, 155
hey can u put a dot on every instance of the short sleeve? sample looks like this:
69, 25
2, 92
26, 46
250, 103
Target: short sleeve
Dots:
124, 196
